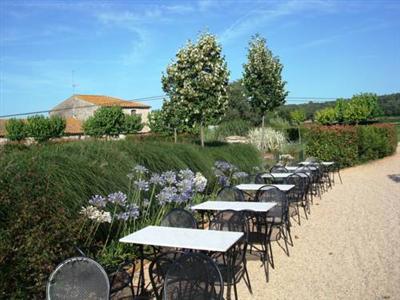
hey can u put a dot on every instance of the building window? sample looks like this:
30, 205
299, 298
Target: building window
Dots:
133, 112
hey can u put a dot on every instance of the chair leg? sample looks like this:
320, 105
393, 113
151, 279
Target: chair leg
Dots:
246, 279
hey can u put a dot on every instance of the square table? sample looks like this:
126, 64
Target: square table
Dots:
255, 187
285, 175
194, 239
324, 163
294, 168
234, 205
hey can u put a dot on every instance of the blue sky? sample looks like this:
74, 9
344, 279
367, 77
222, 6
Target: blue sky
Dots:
120, 48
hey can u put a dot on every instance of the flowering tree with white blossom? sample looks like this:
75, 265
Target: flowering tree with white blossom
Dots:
196, 83
262, 78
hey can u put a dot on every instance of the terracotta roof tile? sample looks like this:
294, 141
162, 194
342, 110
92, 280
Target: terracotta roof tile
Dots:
109, 101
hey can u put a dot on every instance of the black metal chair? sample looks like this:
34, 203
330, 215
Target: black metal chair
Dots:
230, 193
78, 278
233, 264
179, 217
158, 269
267, 178
193, 276
297, 196
277, 218
278, 169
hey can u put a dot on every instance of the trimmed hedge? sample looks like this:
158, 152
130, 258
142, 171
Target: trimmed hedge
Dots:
350, 145
43, 187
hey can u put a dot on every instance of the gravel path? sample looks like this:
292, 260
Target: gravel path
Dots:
350, 246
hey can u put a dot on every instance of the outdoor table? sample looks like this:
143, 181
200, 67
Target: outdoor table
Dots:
285, 175
183, 238
255, 187
294, 168
324, 163
260, 207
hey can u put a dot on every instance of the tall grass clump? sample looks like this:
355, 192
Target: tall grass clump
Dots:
43, 188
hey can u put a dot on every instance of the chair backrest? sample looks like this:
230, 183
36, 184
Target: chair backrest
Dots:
158, 269
193, 276
230, 193
78, 278
270, 193
267, 178
179, 217
230, 220
296, 193
278, 169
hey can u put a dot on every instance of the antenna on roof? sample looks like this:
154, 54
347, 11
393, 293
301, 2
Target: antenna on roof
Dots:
74, 85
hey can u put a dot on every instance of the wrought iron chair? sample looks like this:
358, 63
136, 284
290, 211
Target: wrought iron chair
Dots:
193, 276
78, 278
179, 217
277, 218
158, 270
278, 169
297, 196
233, 264
230, 193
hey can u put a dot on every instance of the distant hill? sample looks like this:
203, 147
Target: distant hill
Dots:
390, 105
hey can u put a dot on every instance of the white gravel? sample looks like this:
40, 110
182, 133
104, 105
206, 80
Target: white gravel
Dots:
348, 249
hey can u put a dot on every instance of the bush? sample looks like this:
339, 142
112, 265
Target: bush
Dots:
109, 121
42, 129
350, 145
233, 127
132, 124
16, 129
43, 188
326, 116
273, 140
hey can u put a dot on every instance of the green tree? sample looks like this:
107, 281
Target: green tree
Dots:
298, 116
360, 108
132, 124
326, 116
42, 129
262, 78
16, 129
196, 84
108, 121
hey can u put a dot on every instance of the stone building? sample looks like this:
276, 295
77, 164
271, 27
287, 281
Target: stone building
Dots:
78, 108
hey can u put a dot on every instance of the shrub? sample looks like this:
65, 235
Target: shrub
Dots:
350, 145
326, 116
42, 190
16, 129
132, 123
233, 127
42, 129
273, 140
108, 121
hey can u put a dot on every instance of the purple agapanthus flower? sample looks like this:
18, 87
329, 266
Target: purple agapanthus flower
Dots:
140, 169
142, 185
224, 166
186, 174
132, 212
157, 179
167, 195
117, 198
169, 177
239, 175
223, 181
98, 201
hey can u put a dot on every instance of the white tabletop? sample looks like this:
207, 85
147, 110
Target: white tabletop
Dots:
256, 187
195, 239
283, 175
235, 205
294, 168
325, 163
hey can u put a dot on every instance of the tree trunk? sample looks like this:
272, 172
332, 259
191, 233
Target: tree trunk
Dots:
262, 131
298, 129
201, 135
175, 136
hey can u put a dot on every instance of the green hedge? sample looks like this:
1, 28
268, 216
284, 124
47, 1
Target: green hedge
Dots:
42, 188
350, 145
